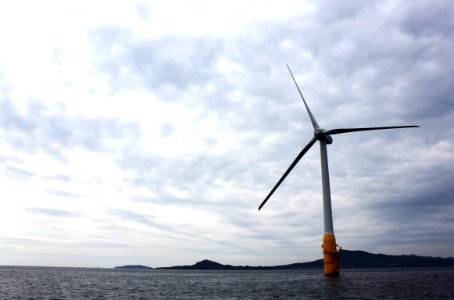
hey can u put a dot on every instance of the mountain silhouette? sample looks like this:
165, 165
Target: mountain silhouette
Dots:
348, 259
134, 267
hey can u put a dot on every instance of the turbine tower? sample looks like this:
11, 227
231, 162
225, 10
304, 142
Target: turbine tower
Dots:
330, 252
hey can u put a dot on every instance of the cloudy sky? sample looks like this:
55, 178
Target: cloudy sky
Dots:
149, 132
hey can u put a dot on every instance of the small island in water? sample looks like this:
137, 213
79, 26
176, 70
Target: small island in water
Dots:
134, 267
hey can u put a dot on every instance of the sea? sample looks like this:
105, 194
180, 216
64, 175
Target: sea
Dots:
83, 283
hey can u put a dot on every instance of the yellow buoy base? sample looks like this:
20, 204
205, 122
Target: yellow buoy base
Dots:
330, 255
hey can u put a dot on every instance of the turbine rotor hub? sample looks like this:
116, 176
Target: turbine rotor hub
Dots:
322, 136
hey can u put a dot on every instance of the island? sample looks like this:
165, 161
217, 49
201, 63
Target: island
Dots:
348, 259
134, 267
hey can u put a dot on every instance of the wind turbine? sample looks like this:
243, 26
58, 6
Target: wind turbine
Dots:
330, 252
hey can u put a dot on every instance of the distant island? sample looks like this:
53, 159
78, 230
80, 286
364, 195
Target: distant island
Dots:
134, 267
348, 259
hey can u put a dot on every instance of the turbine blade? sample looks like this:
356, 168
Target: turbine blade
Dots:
314, 123
345, 130
297, 159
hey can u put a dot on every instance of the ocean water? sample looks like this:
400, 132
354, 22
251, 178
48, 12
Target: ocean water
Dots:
82, 283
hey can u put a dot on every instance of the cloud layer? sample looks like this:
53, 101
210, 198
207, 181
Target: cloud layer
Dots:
136, 136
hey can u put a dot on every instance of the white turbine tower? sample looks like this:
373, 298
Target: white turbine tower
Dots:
330, 252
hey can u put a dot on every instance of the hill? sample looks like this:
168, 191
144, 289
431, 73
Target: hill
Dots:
134, 267
348, 259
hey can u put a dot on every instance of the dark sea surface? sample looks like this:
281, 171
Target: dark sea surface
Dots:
81, 283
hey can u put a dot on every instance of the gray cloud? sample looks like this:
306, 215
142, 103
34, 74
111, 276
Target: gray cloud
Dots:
63, 193
53, 133
16, 173
432, 20
52, 212
186, 233
168, 61
59, 177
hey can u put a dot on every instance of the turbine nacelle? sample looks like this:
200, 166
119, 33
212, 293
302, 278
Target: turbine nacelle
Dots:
322, 136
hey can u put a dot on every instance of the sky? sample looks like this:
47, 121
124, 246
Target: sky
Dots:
149, 132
